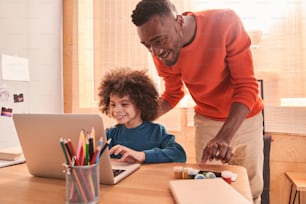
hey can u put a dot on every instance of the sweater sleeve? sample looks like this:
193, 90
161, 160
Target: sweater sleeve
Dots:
174, 89
240, 62
169, 150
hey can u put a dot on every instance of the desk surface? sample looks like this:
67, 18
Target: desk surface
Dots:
149, 184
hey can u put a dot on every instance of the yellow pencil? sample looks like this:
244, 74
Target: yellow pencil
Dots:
93, 135
83, 140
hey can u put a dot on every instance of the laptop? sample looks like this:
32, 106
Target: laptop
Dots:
39, 136
212, 191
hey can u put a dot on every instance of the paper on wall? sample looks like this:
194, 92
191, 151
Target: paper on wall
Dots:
15, 68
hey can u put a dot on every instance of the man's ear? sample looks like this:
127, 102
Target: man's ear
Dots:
180, 20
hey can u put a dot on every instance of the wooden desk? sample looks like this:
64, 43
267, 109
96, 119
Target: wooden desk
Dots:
298, 181
150, 184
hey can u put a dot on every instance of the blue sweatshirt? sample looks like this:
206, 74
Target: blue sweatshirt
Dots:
151, 138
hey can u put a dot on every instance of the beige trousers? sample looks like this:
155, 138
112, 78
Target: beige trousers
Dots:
249, 136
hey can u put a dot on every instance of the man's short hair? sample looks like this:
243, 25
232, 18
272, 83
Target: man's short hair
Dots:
145, 9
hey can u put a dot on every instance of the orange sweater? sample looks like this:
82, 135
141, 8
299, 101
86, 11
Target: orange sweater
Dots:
217, 67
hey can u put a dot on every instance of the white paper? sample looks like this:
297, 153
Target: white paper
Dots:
15, 68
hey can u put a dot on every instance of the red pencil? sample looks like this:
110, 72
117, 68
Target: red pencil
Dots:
75, 176
72, 152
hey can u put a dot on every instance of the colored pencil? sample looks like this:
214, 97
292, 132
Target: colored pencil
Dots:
74, 175
95, 157
105, 146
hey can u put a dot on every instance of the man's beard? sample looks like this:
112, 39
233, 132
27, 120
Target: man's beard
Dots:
174, 59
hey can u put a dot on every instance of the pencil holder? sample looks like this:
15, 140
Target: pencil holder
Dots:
83, 184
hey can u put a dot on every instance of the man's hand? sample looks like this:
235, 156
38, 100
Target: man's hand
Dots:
218, 150
127, 154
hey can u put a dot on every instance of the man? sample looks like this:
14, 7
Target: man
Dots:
209, 53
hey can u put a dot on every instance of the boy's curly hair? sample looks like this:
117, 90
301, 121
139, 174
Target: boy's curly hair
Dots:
133, 83
145, 9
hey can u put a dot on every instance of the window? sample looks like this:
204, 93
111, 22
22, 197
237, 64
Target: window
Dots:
277, 30
99, 35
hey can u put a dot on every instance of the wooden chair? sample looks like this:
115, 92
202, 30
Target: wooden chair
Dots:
298, 184
265, 196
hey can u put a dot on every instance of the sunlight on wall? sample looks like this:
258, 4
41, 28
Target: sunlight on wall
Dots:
293, 102
276, 29
256, 15
85, 34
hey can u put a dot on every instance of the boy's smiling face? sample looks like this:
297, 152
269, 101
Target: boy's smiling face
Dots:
124, 111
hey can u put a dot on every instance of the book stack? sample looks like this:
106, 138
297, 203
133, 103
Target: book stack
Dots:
12, 153
10, 156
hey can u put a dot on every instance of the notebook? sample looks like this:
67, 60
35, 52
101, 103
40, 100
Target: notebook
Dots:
11, 153
8, 141
39, 136
212, 191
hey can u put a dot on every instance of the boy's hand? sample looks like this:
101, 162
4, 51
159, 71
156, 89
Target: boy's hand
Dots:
127, 154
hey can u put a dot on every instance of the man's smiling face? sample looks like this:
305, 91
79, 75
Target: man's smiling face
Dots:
163, 37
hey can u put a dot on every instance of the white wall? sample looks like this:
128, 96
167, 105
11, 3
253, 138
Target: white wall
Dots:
33, 29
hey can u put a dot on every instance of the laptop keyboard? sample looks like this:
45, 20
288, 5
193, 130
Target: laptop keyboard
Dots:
116, 172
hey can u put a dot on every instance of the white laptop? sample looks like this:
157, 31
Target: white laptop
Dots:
212, 191
39, 136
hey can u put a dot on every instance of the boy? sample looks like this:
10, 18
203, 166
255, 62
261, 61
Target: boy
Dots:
130, 97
